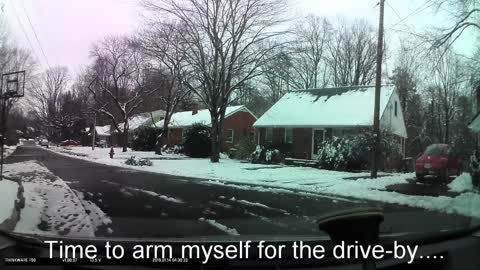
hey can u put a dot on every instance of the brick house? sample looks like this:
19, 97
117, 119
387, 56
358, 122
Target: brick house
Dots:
301, 120
237, 124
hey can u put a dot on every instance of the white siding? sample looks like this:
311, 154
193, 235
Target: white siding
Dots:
390, 122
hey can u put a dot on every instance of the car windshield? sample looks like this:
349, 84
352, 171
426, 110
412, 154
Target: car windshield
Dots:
208, 119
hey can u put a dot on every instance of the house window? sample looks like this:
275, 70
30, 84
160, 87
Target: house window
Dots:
269, 135
396, 108
288, 135
229, 135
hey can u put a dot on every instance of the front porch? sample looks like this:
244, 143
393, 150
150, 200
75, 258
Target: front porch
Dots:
304, 142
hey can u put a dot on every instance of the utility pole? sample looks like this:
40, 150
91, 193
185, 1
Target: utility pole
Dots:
378, 86
94, 129
3, 127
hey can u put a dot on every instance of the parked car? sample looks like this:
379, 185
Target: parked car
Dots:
438, 160
69, 143
44, 142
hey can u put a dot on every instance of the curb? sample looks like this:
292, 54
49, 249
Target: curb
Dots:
10, 223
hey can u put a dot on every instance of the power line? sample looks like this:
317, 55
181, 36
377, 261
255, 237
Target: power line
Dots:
36, 36
23, 28
421, 8
390, 6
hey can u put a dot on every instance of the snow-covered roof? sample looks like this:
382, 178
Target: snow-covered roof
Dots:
143, 119
186, 119
101, 130
328, 107
475, 123
136, 121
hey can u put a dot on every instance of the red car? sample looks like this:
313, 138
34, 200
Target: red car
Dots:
69, 143
438, 160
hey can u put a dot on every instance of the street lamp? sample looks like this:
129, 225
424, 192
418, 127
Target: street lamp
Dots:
12, 86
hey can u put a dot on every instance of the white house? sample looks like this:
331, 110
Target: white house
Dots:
304, 118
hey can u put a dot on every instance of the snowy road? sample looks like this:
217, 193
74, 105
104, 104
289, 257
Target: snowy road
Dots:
142, 204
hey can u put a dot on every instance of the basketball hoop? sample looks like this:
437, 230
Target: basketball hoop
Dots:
13, 84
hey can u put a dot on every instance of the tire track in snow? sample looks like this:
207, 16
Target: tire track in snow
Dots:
309, 223
127, 191
220, 226
261, 205
156, 195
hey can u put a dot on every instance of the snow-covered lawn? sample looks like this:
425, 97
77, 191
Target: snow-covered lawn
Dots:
51, 207
7, 200
8, 150
304, 179
9, 190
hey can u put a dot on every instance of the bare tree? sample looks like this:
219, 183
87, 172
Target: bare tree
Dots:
277, 73
448, 83
464, 14
118, 81
311, 38
352, 54
223, 39
47, 99
12, 59
163, 42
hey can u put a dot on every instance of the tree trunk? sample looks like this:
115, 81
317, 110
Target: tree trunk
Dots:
125, 141
161, 141
163, 138
447, 130
216, 138
215, 155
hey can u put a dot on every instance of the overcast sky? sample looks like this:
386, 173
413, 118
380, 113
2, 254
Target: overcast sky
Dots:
66, 29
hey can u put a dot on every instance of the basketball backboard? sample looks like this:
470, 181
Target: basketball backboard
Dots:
13, 84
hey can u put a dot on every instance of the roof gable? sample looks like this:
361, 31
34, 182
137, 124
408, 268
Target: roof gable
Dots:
100, 130
344, 106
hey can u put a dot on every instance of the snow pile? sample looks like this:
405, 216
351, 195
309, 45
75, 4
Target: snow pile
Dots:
7, 200
8, 150
461, 183
97, 217
51, 207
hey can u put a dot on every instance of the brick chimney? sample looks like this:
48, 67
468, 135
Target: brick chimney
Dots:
194, 108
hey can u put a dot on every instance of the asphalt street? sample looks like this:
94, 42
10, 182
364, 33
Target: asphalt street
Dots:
143, 204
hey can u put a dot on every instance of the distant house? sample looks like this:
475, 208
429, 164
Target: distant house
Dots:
102, 133
302, 119
145, 119
237, 124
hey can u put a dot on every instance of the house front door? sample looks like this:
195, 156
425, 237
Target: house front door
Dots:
318, 136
